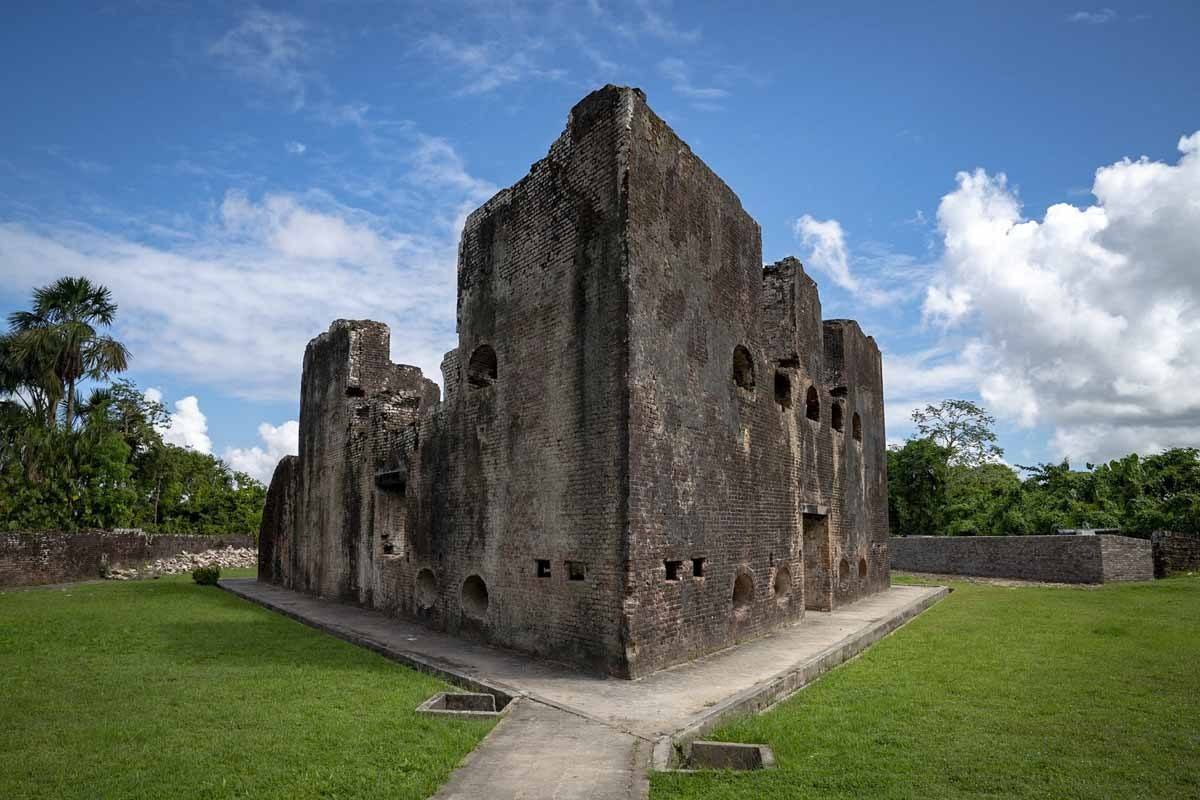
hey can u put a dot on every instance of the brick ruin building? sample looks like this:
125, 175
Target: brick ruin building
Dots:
650, 446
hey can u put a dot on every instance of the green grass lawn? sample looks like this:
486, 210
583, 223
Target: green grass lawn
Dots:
995, 692
161, 689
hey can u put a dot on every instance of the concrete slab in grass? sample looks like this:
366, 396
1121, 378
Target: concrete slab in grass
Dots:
728, 755
463, 704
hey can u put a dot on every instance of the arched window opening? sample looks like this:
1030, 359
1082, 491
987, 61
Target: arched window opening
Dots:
835, 418
862, 568
743, 368
812, 405
481, 369
856, 427
844, 570
475, 597
427, 590
743, 591
783, 583
783, 390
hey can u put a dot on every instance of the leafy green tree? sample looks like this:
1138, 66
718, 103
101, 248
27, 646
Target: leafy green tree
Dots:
106, 465
27, 380
138, 419
918, 474
963, 428
198, 493
1170, 493
980, 501
946, 480
58, 343
82, 479
1055, 497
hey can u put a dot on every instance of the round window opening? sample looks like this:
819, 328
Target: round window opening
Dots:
475, 597
783, 583
862, 568
426, 589
743, 591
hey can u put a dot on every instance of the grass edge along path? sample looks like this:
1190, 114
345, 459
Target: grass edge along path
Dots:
152, 689
1013, 692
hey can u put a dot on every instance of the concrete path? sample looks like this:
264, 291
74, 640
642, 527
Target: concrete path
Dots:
574, 735
539, 752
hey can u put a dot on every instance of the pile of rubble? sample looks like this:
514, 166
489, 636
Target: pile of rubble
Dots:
228, 558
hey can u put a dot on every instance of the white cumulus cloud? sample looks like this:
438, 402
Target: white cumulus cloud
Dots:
889, 276
827, 249
233, 306
187, 426
1089, 318
260, 461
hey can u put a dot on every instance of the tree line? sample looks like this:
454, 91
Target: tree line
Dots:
947, 479
70, 460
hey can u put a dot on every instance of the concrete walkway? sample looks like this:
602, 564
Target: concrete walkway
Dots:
573, 735
539, 752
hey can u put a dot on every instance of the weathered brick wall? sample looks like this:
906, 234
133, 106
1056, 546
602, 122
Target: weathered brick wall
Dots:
603, 439
853, 411
1057, 559
712, 476
530, 467
1124, 558
319, 533
276, 536
506, 472
725, 472
1174, 552
33, 557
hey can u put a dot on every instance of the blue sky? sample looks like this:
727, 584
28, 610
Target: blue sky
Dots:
240, 175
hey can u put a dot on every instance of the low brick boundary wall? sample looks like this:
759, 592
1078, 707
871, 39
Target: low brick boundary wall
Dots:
1053, 559
1174, 552
32, 557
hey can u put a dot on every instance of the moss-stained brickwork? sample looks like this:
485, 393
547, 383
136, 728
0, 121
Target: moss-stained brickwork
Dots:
650, 446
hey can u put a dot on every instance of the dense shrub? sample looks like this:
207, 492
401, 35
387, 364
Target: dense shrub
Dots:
206, 576
112, 469
1135, 494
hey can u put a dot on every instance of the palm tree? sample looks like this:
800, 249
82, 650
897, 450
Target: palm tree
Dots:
59, 342
97, 404
28, 378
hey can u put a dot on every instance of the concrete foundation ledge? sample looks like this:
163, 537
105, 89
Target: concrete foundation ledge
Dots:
293, 605
758, 698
